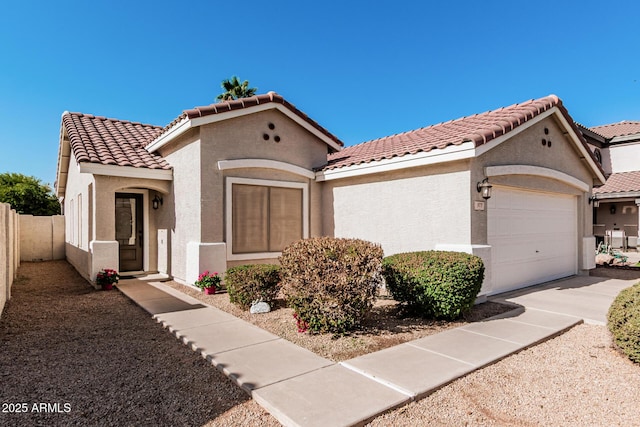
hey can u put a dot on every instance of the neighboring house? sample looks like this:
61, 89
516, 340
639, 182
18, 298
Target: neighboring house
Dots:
235, 182
617, 147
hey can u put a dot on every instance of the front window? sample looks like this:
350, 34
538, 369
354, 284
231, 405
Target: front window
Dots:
265, 216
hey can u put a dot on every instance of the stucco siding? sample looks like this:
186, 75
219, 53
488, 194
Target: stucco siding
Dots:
408, 210
621, 158
544, 145
180, 212
527, 148
244, 138
78, 221
194, 211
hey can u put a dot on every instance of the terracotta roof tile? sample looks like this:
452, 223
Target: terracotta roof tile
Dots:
620, 182
479, 129
226, 106
111, 142
623, 128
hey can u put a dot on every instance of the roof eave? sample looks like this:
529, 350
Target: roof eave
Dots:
451, 153
625, 138
126, 171
565, 119
64, 157
617, 195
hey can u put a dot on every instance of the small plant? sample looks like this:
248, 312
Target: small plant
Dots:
247, 284
438, 284
208, 280
107, 277
301, 324
330, 283
623, 320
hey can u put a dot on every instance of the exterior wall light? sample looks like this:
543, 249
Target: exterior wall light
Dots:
157, 202
612, 209
596, 202
485, 188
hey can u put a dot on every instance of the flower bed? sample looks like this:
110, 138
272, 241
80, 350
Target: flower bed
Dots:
385, 326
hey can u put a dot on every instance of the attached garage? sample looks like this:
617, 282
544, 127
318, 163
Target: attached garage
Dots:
533, 236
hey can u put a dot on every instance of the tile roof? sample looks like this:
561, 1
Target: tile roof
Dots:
238, 104
106, 141
479, 129
620, 183
622, 128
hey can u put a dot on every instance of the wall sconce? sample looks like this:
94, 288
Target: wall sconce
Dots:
612, 209
596, 202
485, 188
157, 202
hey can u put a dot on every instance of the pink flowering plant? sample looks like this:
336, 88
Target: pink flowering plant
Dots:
107, 276
208, 280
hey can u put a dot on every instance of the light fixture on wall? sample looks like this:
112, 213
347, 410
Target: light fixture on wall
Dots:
612, 209
485, 188
596, 202
157, 202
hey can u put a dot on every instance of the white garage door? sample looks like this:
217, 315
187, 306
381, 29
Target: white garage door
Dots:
533, 237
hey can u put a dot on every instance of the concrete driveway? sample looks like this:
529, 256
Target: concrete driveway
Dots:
585, 297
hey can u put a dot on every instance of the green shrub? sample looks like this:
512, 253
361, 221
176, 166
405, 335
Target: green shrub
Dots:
624, 322
248, 283
331, 283
438, 284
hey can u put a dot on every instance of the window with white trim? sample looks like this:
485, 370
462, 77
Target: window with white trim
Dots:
265, 216
79, 221
72, 222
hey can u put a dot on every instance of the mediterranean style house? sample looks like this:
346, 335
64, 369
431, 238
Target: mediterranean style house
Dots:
616, 213
235, 182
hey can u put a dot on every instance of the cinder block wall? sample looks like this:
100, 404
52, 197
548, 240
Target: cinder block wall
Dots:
41, 238
9, 251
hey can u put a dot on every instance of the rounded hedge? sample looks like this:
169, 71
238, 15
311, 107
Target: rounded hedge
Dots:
623, 321
331, 283
438, 284
252, 282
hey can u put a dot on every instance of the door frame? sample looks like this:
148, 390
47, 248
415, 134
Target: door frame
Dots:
145, 224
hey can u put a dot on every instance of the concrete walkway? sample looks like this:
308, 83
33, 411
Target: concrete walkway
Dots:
300, 388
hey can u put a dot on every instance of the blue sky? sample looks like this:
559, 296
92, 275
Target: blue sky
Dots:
361, 69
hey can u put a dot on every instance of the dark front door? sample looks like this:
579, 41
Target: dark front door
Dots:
129, 230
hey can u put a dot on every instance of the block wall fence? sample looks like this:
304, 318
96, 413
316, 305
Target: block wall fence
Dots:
9, 251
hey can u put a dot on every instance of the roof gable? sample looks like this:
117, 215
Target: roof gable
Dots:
478, 129
454, 140
229, 109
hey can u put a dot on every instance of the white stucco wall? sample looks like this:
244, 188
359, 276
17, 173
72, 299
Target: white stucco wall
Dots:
180, 214
621, 158
407, 214
76, 216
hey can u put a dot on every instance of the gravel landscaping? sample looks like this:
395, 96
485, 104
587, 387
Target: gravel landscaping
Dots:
384, 327
576, 379
98, 359
104, 359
